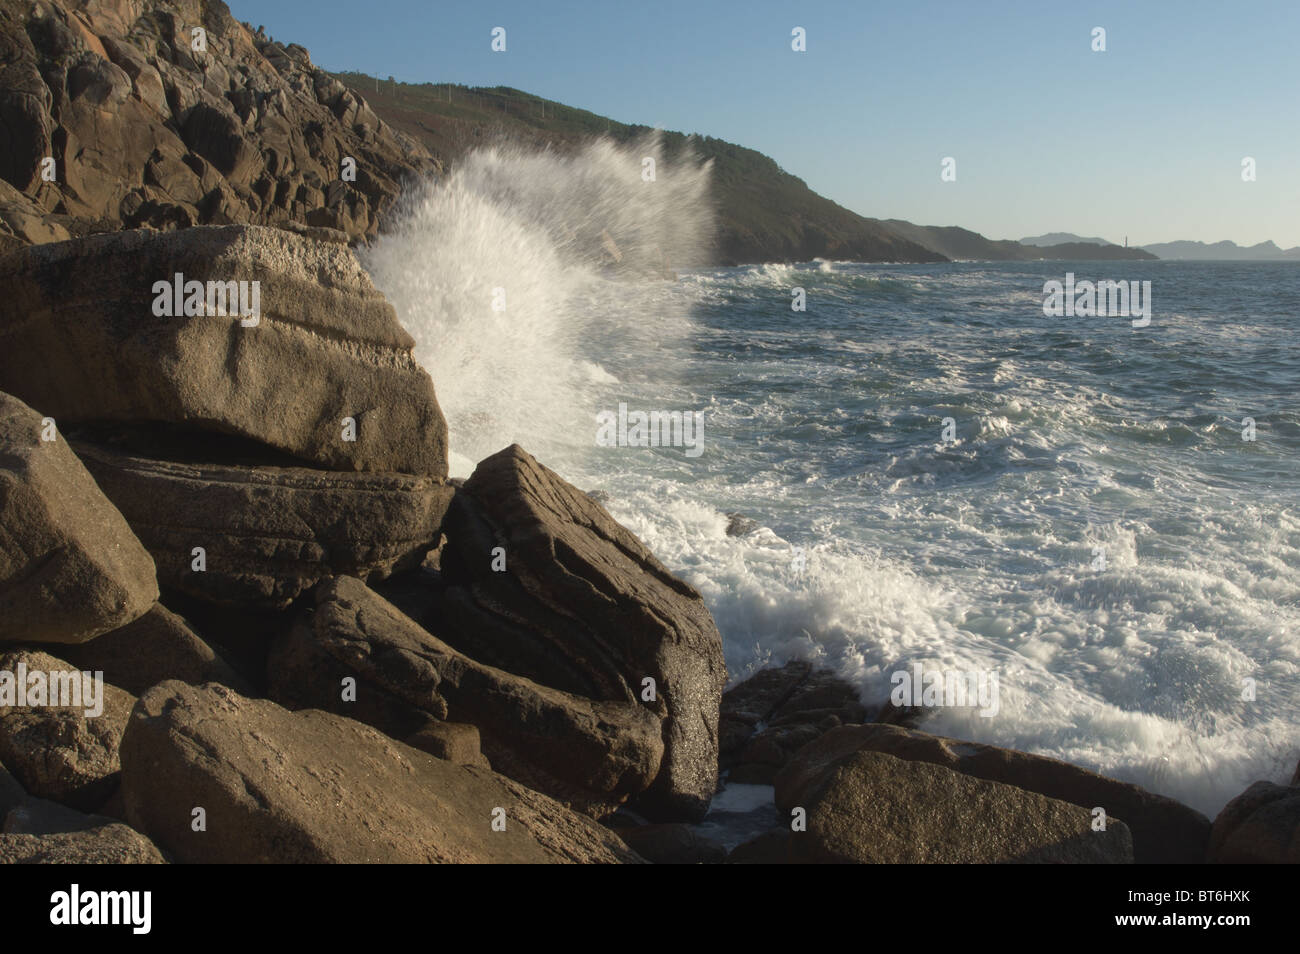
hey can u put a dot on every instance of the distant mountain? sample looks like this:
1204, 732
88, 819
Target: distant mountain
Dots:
958, 243
765, 214
1224, 252
1063, 238
1088, 252
963, 244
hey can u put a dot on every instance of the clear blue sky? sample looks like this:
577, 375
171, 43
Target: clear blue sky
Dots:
1145, 139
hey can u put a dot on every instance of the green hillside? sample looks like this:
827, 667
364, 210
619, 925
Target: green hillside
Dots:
764, 213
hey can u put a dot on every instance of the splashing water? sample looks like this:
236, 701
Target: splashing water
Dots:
824, 427
497, 273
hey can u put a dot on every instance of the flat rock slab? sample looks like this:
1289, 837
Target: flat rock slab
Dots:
269, 533
326, 347
1164, 831
312, 787
70, 567
61, 752
870, 808
589, 754
583, 606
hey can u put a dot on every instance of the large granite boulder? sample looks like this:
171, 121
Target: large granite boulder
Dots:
1259, 826
1164, 831
70, 567
871, 808
145, 129
589, 754
581, 605
326, 375
269, 533
312, 787
67, 753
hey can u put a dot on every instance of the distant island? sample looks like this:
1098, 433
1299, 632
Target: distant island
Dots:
964, 245
1224, 252
1064, 238
1182, 250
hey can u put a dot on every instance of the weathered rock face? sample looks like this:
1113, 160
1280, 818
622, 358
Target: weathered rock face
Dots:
870, 808
1164, 831
62, 752
312, 787
70, 567
44, 832
326, 375
147, 128
269, 533
589, 754
23, 222
584, 607
1259, 826
156, 647
111, 843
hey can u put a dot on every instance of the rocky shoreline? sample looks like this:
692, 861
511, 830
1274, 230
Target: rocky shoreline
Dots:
314, 647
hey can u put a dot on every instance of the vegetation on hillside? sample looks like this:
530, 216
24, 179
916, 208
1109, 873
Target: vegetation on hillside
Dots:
765, 214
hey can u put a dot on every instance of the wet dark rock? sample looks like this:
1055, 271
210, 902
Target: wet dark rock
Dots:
1259, 826
673, 844
738, 525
